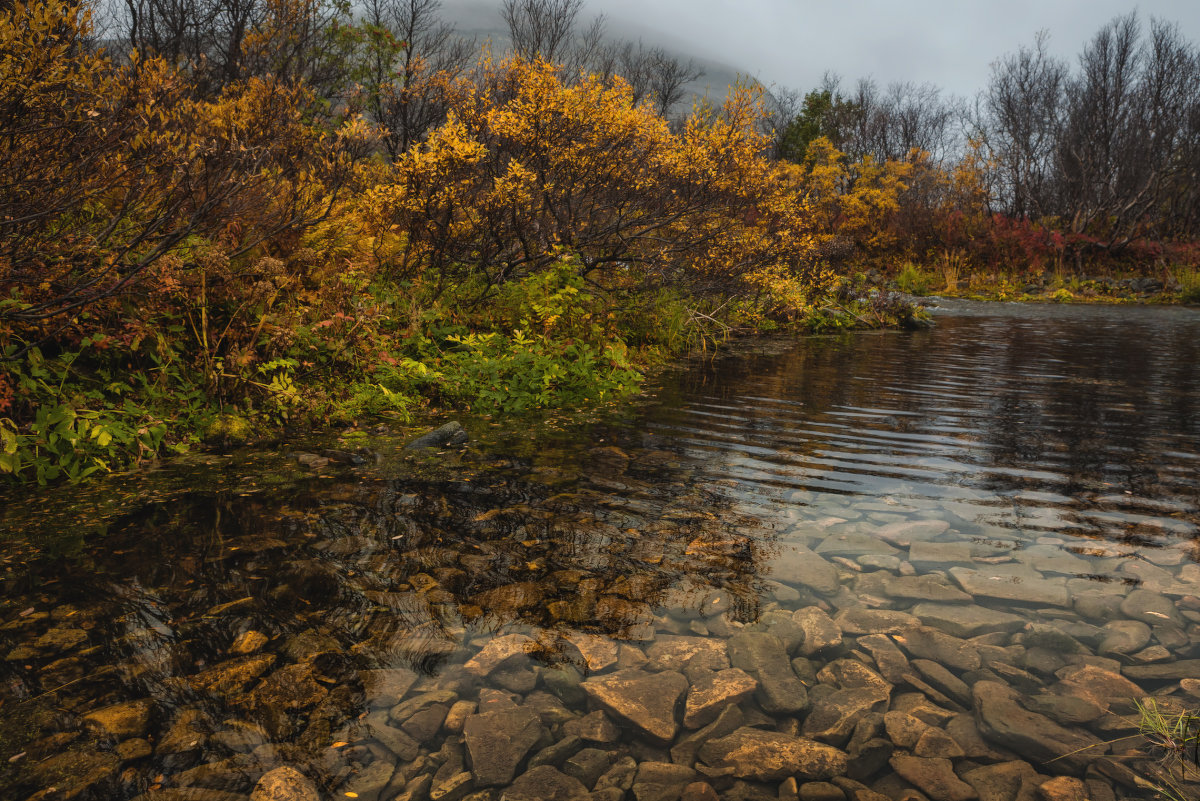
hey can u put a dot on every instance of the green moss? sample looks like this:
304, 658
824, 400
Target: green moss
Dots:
229, 429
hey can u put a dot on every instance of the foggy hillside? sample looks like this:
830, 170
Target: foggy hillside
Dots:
481, 19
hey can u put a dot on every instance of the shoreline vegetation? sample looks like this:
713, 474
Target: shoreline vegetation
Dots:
314, 217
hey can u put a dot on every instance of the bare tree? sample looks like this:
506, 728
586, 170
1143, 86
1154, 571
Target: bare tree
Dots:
542, 29
668, 78
1111, 149
411, 53
1022, 110
1100, 112
221, 42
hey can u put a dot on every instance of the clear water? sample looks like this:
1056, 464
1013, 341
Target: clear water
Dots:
1017, 488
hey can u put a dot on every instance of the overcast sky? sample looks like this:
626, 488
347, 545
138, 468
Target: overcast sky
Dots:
951, 44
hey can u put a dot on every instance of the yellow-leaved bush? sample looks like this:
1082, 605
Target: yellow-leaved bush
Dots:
529, 165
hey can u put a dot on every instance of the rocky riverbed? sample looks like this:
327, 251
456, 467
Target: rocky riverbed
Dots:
757, 598
848, 656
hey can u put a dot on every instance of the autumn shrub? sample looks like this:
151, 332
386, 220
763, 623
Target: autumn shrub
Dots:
139, 230
528, 165
852, 200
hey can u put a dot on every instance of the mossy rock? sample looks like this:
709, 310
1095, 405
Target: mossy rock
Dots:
228, 429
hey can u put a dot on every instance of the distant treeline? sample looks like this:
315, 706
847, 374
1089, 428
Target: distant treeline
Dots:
1096, 159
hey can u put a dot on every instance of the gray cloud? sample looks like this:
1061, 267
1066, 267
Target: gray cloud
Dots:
950, 44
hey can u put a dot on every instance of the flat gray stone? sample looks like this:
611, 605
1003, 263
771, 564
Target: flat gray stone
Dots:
966, 620
853, 544
924, 588
939, 555
762, 656
1013, 583
911, 532
800, 566
864, 620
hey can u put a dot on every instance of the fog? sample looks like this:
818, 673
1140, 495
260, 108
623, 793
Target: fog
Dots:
792, 43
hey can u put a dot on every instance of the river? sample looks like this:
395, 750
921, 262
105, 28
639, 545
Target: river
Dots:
946, 564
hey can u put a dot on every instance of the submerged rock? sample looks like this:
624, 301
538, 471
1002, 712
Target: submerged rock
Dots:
834, 716
935, 776
927, 642
497, 742
966, 620
772, 756
714, 692
1013, 583
232, 676
75, 774
122, 721
820, 632
1003, 720
670, 651
447, 436
545, 783
762, 656
497, 652
862, 620
797, 565
647, 700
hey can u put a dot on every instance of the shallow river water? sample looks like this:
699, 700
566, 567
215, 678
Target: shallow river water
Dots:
946, 565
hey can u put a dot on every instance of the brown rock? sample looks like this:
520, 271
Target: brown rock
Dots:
248, 642
497, 741
232, 676
122, 721
497, 651
544, 783
713, 692
937, 743
386, 687
864, 620
1006, 781
284, 784
699, 791
598, 652
772, 756
646, 700
820, 632
669, 652
1063, 788
594, 727
935, 777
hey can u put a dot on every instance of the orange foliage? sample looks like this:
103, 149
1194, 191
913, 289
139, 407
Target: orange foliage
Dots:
528, 165
113, 168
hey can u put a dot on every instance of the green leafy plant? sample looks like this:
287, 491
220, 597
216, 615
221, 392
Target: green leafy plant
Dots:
913, 280
1188, 281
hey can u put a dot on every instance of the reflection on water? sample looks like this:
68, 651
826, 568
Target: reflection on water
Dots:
940, 565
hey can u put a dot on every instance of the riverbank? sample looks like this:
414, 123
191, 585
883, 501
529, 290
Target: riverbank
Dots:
1180, 285
546, 342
